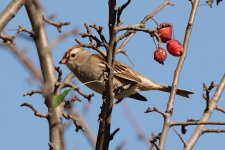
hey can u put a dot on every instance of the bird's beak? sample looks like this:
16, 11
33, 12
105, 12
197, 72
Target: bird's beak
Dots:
63, 61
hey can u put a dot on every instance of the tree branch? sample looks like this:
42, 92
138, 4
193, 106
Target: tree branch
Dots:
176, 77
36, 112
9, 12
48, 70
205, 117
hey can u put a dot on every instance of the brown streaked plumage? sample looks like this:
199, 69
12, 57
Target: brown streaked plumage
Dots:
89, 69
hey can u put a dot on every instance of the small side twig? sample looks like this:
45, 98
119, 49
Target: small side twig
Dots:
76, 88
36, 112
153, 141
181, 138
213, 131
59, 70
119, 12
32, 92
75, 121
114, 133
58, 24
93, 46
154, 109
220, 109
23, 29
8, 39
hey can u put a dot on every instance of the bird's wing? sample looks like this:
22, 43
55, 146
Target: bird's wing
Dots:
125, 72
120, 70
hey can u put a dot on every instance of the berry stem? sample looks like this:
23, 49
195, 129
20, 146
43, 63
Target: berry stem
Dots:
155, 21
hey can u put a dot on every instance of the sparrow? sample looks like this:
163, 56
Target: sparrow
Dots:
90, 69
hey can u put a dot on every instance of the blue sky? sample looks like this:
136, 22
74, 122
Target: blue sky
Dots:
205, 63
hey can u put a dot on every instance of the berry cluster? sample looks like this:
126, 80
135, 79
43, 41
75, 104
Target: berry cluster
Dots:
174, 47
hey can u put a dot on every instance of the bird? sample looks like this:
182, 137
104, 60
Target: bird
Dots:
90, 69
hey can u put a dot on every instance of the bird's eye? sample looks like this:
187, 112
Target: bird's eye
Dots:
73, 55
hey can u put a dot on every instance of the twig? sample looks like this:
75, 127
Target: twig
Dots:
181, 138
176, 77
32, 92
8, 39
75, 121
114, 133
130, 34
206, 96
58, 24
154, 109
23, 29
93, 46
205, 117
153, 141
36, 112
99, 30
9, 12
213, 131
220, 109
56, 129
76, 88
196, 123
119, 12
59, 70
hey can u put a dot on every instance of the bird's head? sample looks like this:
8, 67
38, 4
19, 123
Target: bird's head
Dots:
70, 55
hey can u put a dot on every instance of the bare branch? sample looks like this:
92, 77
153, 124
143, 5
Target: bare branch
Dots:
220, 109
114, 133
93, 46
213, 131
196, 123
119, 12
9, 12
59, 70
56, 128
154, 109
23, 29
177, 73
99, 30
181, 138
8, 39
32, 92
58, 24
76, 123
153, 141
76, 88
130, 34
205, 117
36, 112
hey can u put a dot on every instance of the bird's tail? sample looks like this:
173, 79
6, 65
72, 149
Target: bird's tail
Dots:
181, 92
152, 85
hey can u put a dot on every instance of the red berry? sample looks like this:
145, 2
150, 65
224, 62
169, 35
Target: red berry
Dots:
175, 48
160, 55
165, 31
